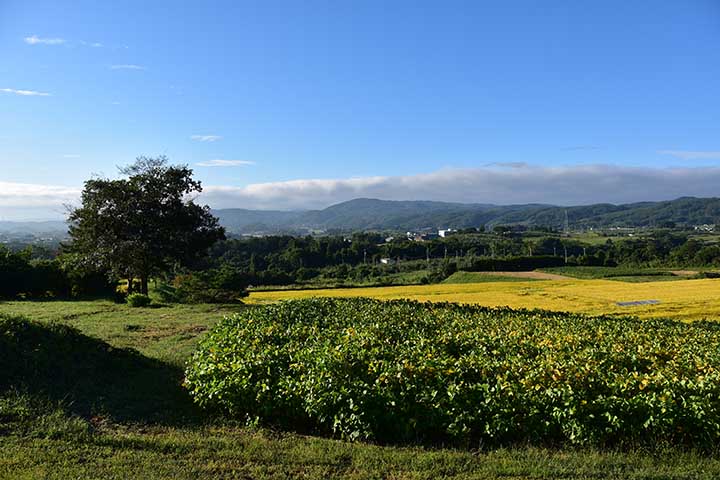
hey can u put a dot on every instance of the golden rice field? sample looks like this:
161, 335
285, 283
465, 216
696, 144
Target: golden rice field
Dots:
683, 300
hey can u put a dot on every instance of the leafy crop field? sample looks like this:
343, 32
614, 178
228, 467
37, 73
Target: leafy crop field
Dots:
683, 300
447, 373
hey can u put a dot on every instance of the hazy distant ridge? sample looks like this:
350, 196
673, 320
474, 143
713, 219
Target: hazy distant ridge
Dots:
373, 214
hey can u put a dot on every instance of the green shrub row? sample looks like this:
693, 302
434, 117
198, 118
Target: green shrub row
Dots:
403, 371
20, 275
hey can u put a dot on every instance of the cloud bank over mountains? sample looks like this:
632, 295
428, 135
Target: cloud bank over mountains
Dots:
28, 201
520, 183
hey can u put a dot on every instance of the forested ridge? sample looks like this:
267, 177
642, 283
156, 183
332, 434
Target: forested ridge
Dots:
373, 214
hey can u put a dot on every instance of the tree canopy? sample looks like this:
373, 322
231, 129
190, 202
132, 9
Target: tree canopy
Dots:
143, 224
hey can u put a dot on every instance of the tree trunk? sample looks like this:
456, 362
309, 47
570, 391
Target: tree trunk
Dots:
144, 284
130, 286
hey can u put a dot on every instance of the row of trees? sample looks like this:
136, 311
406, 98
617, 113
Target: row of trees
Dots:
288, 254
24, 275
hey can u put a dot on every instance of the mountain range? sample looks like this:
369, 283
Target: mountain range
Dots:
390, 215
373, 214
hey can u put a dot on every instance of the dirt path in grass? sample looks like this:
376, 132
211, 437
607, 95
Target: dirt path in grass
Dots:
531, 275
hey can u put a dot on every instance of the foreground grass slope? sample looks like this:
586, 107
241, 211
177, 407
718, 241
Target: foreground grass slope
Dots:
225, 453
44, 436
165, 332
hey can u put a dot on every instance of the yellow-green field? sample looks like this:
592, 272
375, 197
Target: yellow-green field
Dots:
684, 300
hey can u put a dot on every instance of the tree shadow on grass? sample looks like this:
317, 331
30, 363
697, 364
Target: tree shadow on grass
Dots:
90, 377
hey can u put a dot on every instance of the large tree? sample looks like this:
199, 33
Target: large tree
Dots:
143, 224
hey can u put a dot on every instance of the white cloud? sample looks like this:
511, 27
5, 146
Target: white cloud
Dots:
35, 40
206, 138
692, 154
25, 93
127, 67
571, 185
92, 44
34, 195
224, 163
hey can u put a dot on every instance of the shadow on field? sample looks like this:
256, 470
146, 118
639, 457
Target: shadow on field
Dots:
89, 376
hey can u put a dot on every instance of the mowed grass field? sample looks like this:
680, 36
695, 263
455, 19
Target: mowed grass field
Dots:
678, 299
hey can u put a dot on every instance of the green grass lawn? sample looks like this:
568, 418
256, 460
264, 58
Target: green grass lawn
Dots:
480, 277
126, 415
167, 333
622, 274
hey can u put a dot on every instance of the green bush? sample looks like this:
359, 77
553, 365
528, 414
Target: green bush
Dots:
138, 300
221, 285
167, 293
406, 371
22, 276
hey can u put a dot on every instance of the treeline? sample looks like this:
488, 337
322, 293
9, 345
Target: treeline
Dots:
23, 275
284, 260
363, 258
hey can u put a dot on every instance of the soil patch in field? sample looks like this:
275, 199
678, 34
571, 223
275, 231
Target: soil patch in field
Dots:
530, 275
684, 273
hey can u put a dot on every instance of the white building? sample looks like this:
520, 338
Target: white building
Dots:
447, 232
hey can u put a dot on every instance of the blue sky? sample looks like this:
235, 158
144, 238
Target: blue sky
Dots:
301, 104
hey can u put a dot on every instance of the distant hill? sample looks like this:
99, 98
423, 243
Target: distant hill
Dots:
368, 214
373, 214
243, 220
34, 228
